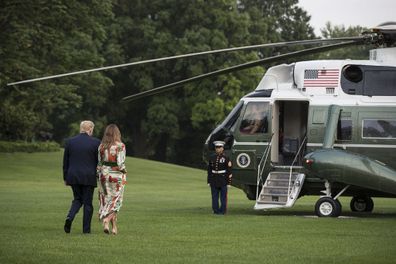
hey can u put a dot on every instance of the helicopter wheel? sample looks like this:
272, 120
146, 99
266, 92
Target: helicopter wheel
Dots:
362, 204
328, 207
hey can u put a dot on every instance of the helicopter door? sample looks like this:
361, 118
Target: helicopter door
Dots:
289, 125
252, 134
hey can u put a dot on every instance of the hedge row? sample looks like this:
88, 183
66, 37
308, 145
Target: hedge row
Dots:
22, 146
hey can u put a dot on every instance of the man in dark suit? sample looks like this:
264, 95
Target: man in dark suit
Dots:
79, 171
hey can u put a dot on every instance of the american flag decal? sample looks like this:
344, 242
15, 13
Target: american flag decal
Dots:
321, 78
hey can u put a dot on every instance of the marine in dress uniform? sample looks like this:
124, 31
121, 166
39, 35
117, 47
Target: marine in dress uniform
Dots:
219, 177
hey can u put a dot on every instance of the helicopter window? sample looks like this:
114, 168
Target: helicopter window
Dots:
233, 116
222, 131
344, 129
369, 80
255, 118
353, 73
380, 82
379, 128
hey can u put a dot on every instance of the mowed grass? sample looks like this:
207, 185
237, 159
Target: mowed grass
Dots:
166, 218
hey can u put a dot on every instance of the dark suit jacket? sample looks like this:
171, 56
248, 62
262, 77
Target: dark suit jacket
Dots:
80, 160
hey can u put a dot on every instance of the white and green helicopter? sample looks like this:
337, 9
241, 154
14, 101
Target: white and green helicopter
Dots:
322, 127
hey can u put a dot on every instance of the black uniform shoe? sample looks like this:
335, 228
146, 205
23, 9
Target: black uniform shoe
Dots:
67, 226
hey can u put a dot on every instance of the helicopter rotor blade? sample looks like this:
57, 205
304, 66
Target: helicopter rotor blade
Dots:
239, 67
189, 55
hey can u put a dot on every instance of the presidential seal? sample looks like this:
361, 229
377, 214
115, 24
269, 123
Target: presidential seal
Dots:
243, 160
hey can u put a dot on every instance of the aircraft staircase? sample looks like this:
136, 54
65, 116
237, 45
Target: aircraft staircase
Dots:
281, 187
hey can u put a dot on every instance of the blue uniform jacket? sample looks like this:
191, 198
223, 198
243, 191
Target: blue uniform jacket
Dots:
80, 160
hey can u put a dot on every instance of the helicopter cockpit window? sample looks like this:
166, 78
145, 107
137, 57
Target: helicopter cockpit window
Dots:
379, 128
222, 132
255, 118
233, 116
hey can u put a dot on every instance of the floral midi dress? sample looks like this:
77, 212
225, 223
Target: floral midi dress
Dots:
112, 178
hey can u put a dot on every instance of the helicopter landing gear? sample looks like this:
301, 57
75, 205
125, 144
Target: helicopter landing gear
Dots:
362, 204
328, 206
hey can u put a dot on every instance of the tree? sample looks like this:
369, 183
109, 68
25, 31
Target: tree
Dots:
161, 127
35, 42
157, 124
355, 52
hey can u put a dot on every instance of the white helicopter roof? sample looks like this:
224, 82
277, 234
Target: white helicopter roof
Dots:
387, 56
319, 81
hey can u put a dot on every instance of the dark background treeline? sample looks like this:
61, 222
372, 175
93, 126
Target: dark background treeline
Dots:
45, 37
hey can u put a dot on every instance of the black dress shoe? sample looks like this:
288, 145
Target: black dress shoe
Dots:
67, 226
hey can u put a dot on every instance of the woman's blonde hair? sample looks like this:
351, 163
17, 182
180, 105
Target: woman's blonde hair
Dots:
111, 135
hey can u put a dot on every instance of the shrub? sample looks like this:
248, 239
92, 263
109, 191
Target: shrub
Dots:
22, 146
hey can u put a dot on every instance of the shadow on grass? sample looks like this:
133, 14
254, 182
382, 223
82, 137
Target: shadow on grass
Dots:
285, 212
311, 213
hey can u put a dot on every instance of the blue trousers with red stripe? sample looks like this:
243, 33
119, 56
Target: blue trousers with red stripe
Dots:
219, 192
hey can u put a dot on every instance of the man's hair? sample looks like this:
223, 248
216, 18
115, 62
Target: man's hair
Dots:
86, 126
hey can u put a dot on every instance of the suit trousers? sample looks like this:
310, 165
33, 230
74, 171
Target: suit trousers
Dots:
219, 192
83, 195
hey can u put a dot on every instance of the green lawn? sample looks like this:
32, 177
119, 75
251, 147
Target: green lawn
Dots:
166, 218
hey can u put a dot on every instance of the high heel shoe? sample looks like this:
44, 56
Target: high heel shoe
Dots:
114, 230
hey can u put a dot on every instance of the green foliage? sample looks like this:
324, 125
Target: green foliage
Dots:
161, 119
337, 31
13, 118
163, 28
212, 109
30, 147
41, 38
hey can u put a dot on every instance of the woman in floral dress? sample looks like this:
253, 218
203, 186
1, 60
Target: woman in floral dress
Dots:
111, 177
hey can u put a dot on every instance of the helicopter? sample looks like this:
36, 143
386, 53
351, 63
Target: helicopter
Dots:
320, 127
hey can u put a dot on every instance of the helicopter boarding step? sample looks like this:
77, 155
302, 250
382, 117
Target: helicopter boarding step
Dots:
281, 189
